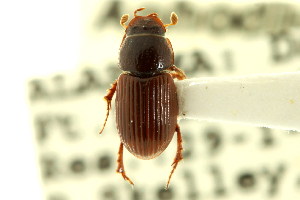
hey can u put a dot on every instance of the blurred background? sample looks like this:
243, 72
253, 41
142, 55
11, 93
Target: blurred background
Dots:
58, 59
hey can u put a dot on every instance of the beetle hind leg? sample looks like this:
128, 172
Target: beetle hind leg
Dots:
120, 168
108, 98
178, 156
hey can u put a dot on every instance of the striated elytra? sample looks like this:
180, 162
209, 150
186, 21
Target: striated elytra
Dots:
146, 111
146, 97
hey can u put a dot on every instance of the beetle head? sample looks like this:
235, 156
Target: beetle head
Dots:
149, 24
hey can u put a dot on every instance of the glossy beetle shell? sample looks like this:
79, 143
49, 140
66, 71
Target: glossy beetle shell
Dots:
146, 110
145, 55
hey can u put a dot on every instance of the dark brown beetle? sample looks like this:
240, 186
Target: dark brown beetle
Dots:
146, 101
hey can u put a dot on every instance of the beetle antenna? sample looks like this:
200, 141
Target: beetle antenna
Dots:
137, 10
173, 18
123, 20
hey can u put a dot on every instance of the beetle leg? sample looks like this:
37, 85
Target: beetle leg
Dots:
108, 98
177, 73
120, 168
178, 156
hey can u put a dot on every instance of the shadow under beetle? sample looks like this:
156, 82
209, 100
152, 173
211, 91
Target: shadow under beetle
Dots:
146, 97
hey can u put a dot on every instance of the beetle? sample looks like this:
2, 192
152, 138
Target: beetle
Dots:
146, 98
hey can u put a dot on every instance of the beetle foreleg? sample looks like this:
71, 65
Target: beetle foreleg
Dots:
177, 73
108, 98
178, 156
120, 168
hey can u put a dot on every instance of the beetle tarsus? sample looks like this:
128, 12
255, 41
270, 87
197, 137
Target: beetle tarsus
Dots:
178, 156
176, 73
108, 99
126, 178
120, 168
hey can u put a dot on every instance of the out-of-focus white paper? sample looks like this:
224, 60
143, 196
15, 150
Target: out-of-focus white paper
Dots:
221, 160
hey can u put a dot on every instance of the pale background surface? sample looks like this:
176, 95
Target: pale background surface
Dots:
70, 48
